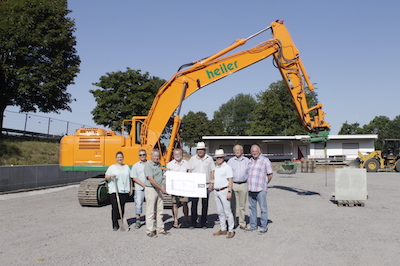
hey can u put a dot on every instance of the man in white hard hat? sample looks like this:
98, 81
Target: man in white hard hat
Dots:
201, 163
223, 183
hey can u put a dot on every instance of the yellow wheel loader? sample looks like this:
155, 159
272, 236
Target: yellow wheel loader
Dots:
386, 159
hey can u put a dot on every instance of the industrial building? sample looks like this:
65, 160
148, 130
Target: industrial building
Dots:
339, 148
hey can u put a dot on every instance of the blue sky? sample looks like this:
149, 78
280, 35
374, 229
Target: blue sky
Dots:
350, 49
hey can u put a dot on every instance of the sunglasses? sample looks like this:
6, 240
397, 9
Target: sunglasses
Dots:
142, 154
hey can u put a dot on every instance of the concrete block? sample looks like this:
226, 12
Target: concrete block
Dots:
350, 184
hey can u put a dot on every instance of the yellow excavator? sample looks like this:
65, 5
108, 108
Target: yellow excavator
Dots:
94, 149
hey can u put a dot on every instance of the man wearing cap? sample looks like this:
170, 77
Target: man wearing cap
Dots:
240, 193
223, 193
201, 163
259, 174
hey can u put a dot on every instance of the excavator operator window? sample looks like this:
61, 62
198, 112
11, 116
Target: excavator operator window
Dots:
138, 128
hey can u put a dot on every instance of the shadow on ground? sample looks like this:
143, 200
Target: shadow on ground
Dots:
298, 191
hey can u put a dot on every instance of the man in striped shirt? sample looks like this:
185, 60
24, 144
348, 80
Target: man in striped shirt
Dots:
259, 174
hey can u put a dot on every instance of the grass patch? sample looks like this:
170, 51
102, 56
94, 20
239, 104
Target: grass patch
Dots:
28, 151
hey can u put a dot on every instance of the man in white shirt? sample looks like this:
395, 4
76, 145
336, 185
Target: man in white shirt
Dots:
239, 165
201, 163
178, 164
223, 182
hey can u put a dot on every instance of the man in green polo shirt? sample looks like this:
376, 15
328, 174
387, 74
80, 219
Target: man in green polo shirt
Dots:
153, 195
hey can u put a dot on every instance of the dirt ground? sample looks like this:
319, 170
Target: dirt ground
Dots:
49, 227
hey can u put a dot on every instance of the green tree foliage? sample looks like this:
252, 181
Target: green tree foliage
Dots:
235, 114
274, 113
196, 125
37, 55
394, 130
123, 95
350, 129
381, 125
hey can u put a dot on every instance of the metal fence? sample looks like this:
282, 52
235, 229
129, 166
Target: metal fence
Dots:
32, 124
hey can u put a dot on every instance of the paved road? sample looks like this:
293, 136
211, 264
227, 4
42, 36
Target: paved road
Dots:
51, 228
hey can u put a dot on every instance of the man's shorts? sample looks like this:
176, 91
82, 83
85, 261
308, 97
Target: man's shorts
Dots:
177, 199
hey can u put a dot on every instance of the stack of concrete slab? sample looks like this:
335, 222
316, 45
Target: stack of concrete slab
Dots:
350, 186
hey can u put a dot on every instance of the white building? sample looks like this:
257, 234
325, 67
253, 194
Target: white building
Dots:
283, 148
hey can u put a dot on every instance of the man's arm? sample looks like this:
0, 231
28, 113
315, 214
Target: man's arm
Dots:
137, 180
269, 170
135, 176
211, 186
269, 176
230, 186
156, 185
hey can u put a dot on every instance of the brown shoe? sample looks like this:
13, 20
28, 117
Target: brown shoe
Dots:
220, 233
230, 235
242, 227
151, 234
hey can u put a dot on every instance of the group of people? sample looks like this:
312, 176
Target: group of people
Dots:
232, 182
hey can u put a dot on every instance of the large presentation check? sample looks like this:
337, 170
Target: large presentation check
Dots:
186, 184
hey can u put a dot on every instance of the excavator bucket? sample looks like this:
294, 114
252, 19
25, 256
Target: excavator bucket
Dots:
287, 168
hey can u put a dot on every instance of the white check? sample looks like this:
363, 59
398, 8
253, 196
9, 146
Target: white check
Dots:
186, 184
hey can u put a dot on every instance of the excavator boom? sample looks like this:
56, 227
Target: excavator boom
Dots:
216, 67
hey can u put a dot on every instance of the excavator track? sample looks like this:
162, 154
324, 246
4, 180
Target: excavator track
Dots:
93, 192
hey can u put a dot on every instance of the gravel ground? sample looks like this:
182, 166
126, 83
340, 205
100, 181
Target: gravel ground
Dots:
49, 227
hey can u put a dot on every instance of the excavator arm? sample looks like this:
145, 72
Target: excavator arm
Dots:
204, 72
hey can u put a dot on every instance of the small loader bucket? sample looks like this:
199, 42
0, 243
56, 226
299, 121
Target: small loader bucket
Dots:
288, 168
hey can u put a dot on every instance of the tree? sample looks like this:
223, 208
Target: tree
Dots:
194, 126
350, 129
37, 56
380, 125
274, 113
235, 114
394, 130
123, 95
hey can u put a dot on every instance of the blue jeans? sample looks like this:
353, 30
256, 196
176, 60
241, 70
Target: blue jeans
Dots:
139, 198
261, 198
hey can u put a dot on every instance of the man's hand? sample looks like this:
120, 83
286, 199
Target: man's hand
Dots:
229, 195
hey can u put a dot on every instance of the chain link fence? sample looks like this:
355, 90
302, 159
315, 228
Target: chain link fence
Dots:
35, 125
